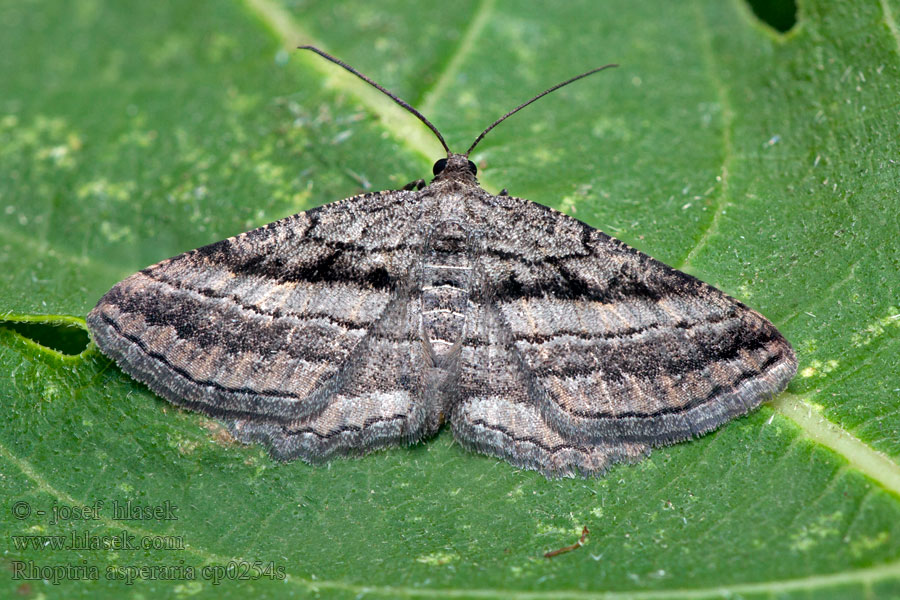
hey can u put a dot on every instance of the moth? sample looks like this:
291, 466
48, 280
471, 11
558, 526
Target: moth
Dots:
373, 321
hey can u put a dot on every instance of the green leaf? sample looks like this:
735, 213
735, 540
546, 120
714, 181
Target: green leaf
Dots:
765, 164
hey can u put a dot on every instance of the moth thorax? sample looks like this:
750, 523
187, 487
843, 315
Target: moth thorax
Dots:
445, 286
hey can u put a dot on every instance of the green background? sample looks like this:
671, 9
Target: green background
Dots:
767, 164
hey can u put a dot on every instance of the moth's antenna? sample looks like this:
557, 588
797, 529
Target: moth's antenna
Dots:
541, 95
341, 63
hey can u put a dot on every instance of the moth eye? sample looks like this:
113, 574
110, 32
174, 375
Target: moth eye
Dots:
439, 166
473, 168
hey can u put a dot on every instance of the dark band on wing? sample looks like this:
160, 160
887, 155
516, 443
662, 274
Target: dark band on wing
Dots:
139, 343
260, 336
649, 358
717, 391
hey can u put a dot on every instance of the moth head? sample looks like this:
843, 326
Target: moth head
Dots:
455, 166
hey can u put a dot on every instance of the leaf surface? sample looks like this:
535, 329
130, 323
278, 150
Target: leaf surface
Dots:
765, 164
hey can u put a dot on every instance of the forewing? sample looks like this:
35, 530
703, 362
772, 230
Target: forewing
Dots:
618, 346
268, 323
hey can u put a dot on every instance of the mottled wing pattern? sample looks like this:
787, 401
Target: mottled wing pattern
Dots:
496, 413
377, 403
369, 321
615, 346
279, 325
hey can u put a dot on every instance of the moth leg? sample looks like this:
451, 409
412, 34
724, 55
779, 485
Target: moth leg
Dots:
418, 184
